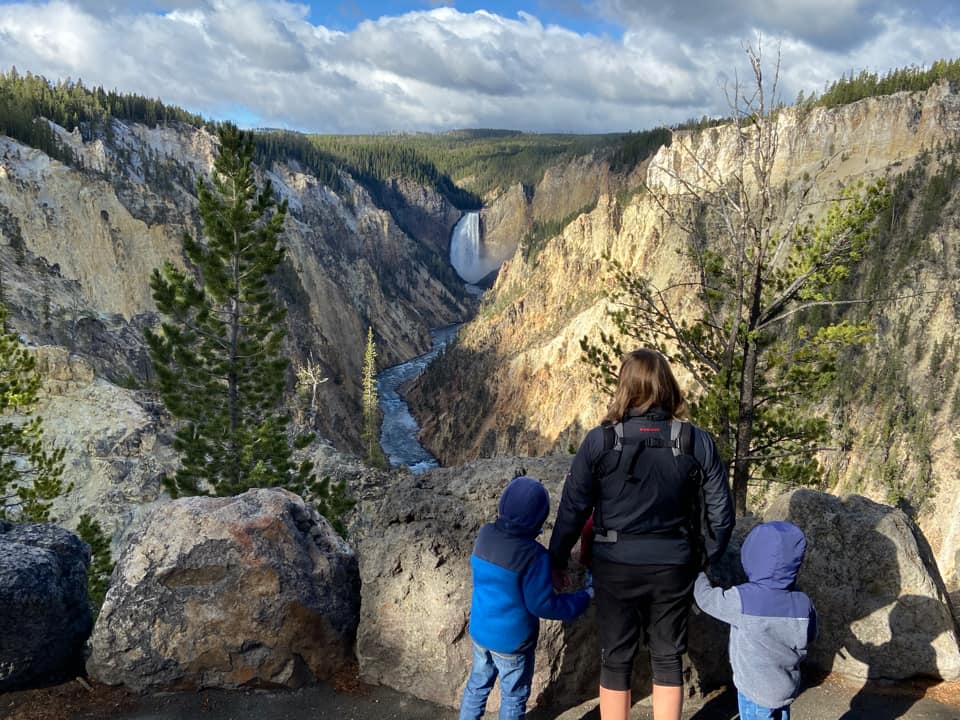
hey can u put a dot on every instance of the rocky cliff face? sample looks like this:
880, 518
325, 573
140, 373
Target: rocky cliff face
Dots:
78, 245
515, 384
565, 190
77, 248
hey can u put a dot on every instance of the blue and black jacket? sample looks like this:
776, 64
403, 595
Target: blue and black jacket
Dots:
512, 585
771, 622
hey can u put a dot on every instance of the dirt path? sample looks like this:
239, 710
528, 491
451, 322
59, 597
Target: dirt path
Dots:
830, 700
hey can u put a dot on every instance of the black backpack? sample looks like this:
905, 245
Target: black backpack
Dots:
682, 443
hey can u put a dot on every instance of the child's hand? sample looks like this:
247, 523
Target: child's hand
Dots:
561, 580
588, 583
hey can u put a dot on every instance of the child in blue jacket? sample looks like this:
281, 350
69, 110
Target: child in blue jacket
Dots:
771, 623
512, 590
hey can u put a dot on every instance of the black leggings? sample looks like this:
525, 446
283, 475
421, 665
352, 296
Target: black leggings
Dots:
648, 602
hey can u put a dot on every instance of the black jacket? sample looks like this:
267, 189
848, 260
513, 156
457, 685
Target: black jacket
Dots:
654, 509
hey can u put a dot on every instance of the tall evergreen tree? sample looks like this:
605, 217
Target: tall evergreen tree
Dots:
371, 417
30, 475
744, 323
217, 354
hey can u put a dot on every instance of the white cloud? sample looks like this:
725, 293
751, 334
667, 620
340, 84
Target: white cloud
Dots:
441, 68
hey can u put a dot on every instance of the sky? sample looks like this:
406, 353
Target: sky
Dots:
362, 66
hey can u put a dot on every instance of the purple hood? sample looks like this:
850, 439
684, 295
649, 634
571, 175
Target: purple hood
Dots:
772, 554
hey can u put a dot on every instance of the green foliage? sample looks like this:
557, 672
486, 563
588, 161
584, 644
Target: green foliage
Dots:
481, 161
333, 502
26, 99
30, 475
371, 406
755, 346
635, 147
866, 84
285, 146
101, 561
374, 160
217, 355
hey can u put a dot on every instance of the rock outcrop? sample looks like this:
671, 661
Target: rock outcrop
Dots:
882, 607
227, 592
883, 612
44, 614
115, 444
414, 544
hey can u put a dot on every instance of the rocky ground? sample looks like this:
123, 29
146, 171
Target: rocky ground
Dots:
346, 699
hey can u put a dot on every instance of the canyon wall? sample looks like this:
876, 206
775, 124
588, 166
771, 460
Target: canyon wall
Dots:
515, 382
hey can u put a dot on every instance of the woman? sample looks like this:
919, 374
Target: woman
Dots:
642, 475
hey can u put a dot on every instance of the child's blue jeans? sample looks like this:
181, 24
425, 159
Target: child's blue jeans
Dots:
515, 671
749, 710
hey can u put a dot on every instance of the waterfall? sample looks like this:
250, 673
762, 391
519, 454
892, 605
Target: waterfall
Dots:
466, 250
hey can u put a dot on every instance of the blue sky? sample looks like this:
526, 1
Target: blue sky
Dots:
434, 65
347, 14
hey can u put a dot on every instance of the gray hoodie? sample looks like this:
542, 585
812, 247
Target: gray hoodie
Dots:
771, 624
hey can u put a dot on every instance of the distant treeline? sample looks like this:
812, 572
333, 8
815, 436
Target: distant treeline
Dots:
374, 160
484, 160
867, 84
26, 99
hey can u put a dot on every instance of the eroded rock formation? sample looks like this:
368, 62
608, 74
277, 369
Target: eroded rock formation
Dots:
228, 592
878, 592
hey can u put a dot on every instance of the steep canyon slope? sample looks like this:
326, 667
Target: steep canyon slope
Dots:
78, 243
515, 383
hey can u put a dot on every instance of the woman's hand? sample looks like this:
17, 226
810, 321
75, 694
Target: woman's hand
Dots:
561, 580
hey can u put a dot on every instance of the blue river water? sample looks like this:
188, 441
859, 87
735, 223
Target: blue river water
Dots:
398, 434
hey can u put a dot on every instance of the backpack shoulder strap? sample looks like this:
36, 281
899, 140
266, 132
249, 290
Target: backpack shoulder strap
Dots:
681, 437
613, 437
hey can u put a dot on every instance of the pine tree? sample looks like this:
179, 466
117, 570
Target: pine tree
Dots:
217, 354
743, 322
30, 475
371, 416
101, 560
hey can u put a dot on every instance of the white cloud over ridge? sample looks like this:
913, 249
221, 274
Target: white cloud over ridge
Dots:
441, 69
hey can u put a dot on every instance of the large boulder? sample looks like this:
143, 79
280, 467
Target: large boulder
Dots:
414, 540
225, 592
882, 606
44, 614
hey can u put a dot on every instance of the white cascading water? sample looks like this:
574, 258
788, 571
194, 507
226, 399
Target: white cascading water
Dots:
466, 251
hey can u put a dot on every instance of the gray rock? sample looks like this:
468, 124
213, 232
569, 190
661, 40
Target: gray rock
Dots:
865, 570
882, 606
225, 592
44, 614
415, 571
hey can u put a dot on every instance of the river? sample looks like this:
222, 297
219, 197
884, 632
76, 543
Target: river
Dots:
398, 434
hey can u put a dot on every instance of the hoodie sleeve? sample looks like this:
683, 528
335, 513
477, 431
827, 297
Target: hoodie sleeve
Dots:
717, 602
542, 601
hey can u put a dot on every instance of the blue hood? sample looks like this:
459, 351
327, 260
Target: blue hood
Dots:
772, 554
523, 506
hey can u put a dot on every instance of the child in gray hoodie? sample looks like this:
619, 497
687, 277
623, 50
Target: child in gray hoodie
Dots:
771, 623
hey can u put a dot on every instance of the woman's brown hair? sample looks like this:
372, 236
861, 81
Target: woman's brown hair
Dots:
646, 381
